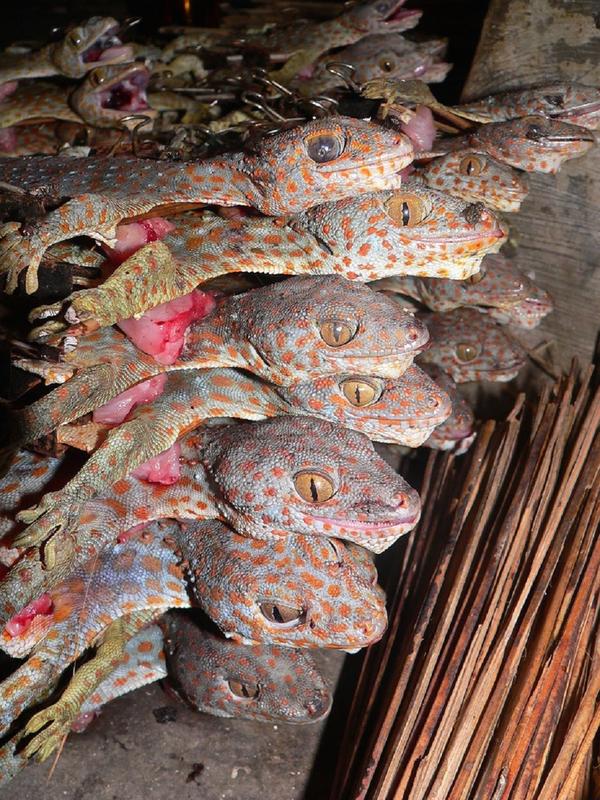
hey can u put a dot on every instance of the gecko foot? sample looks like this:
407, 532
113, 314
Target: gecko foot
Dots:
60, 716
20, 253
43, 521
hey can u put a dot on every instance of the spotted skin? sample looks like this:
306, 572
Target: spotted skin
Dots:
401, 411
573, 102
381, 55
361, 239
332, 590
280, 178
254, 476
470, 347
70, 55
532, 144
279, 332
499, 290
288, 686
457, 432
476, 177
327, 588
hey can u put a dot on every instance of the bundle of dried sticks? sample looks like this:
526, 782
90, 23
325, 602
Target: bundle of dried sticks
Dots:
486, 684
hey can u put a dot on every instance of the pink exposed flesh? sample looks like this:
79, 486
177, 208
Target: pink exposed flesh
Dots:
163, 468
117, 409
7, 88
8, 140
420, 129
134, 235
126, 535
21, 621
160, 332
84, 720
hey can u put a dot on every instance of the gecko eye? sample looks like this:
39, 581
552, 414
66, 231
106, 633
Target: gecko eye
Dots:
554, 100
96, 78
386, 64
407, 210
337, 332
359, 392
323, 147
248, 691
314, 487
466, 352
470, 165
533, 132
280, 614
74, 38
477, 277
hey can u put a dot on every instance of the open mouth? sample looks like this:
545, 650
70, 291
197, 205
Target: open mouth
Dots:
129, 94
107, 47
399, 17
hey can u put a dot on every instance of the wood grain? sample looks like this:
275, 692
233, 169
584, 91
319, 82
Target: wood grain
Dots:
531, 42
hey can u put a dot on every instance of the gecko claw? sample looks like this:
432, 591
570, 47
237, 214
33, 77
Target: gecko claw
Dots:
58, 719
43, 522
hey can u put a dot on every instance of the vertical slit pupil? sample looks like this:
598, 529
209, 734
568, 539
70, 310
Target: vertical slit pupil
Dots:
405, 213
314, 492
357, 394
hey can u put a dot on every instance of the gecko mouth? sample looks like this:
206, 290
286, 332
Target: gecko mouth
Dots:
402, 18
128, 94
107, 47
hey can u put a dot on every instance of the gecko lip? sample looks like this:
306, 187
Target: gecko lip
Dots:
395, 160
105, 47
408, 518
398, 16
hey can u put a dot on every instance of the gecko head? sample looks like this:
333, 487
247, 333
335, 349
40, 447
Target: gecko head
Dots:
303, 475
477, 177
261, 682
401, 410
111, 92
310, 326
459, 427
469, 346
567, 102
380, 16
322, 160
414, 230
500, 287
534, 143
83, 46
392, 57
296, 591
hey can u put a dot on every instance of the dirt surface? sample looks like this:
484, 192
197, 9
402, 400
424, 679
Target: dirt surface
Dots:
146, 746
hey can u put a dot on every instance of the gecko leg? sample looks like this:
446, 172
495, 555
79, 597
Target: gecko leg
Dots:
56, 720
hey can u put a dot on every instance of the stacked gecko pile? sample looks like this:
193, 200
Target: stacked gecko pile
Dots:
265, 525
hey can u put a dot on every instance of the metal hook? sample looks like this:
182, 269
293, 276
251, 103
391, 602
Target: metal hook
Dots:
129, 22
134, 132
261, 76
258, 101
346, 72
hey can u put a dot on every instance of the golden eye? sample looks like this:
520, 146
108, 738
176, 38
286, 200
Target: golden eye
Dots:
407, 210
470, 165
314, 487
280, 614
249, 691
386, 65
323, 147
358, 392
466, 352
477, 277
96, 78
337, 332
74, 38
